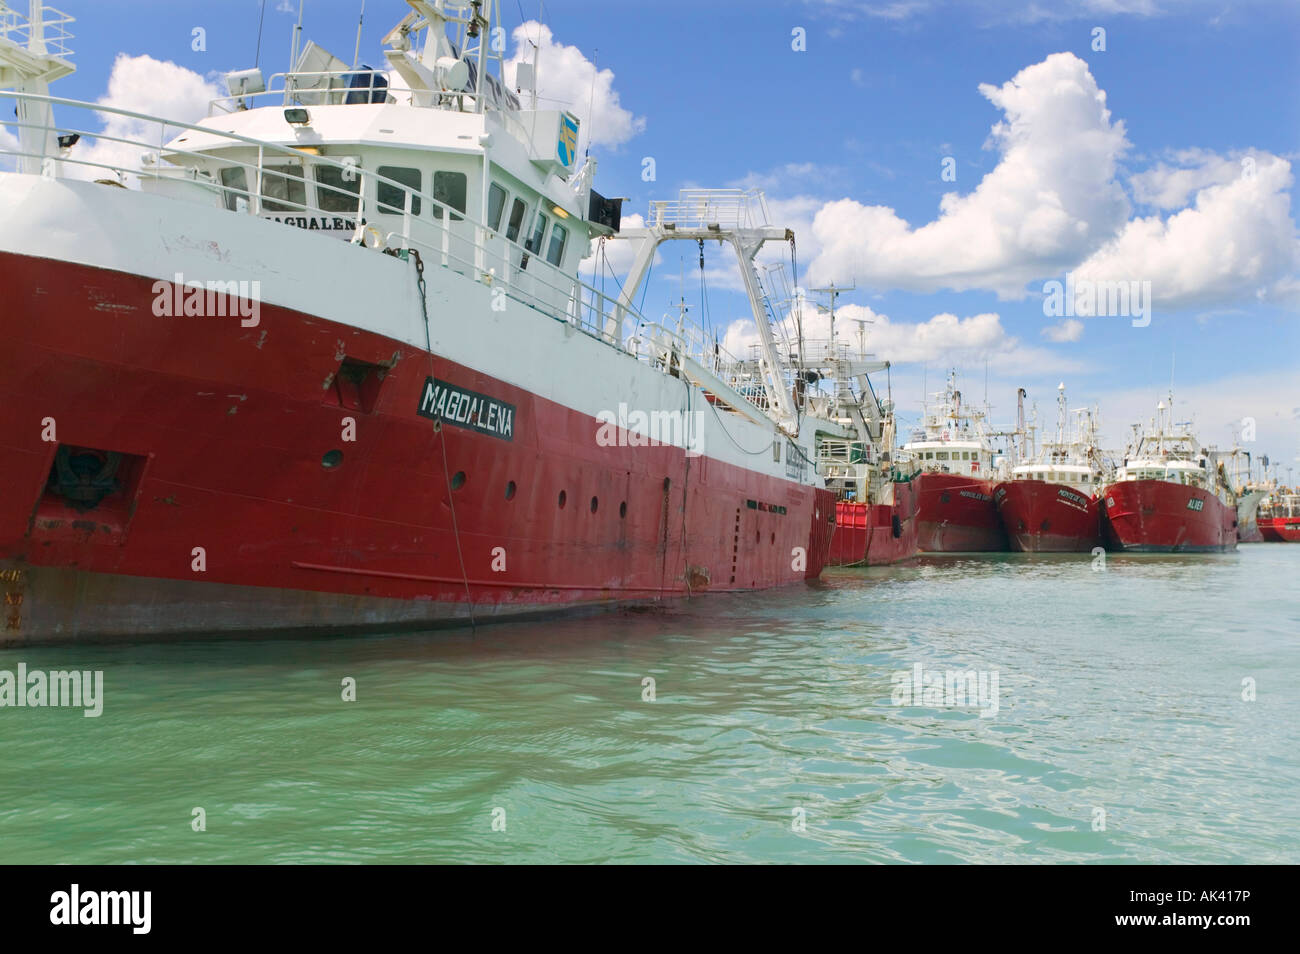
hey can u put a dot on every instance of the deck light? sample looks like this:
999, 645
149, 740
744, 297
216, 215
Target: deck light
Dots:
297, 116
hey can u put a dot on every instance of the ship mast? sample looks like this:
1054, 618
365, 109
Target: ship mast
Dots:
33, 54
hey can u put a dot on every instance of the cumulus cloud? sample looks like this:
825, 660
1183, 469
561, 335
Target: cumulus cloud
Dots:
1235, 242
565, 81
943, 338
1070, 329
143, 84
1169, 185
1051, 200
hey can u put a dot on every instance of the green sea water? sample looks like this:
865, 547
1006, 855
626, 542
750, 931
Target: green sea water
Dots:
776, 732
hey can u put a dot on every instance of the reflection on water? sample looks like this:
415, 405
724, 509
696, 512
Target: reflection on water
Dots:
772, 734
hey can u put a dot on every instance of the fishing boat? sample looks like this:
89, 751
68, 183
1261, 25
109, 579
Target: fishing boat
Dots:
954, 454
1172, 494
1279, 517
1251, 492
323, 359
875, 500
1050, 504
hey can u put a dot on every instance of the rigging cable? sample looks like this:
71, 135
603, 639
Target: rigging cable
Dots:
257, 58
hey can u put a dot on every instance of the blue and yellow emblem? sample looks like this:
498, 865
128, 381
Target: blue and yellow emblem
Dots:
567, 149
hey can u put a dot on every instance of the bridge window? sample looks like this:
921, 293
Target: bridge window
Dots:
236, 188
283, 189
941, 455
392, 198
449, 188
338, 190
534, 244
559, 236
496, 206
516, 221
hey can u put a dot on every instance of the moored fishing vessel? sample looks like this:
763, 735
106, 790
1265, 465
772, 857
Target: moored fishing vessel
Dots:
1171, 494
1279, 517
954, 487
324, 360
1050, 504
875, 499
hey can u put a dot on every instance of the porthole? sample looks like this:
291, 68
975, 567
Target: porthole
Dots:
622, 509
594, 504
563, 499
458, 480
332, 459
510, 490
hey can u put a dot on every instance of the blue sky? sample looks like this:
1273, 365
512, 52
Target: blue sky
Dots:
848, 138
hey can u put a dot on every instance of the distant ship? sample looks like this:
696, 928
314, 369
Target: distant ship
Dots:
1051, 503
875, 494
1279, 518
954, 454
1171, 494
325, 360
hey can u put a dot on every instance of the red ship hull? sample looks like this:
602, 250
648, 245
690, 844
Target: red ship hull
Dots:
1159, 516
956, 515
1279, 529
239, 504
875, 534
1044, 517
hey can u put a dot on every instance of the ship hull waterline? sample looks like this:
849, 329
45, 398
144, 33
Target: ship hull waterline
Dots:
1044, 517
1158, 516
1279, 529
876, 534
956, 514
281, 476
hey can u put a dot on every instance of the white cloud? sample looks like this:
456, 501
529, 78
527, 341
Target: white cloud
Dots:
564, 81
615, 255
1070, 329
1168, 186
1217, 407
944, 338
1050, 201
144, 85
1236, 242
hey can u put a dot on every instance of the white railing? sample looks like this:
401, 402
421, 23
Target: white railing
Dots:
17, 29
443, 236
320, 88
700, 208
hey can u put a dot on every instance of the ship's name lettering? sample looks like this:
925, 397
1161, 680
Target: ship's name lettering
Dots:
974, 496
442, 401
1072, 496
1196, 503
317, 223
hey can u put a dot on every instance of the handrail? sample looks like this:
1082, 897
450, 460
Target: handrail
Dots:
287, 90
447, 235
17, 29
